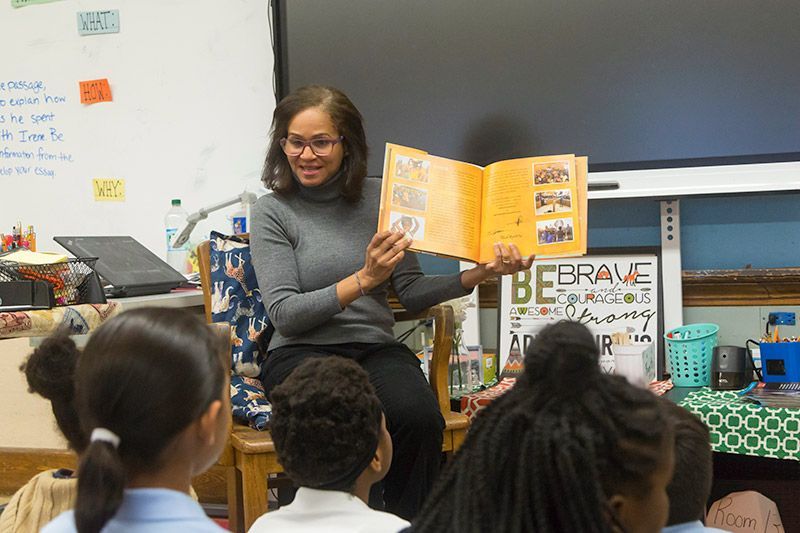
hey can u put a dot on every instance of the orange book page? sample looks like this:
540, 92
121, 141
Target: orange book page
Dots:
436, 201
533, 203
582, 225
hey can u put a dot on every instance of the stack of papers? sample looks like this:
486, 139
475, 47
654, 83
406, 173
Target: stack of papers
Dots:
775, 395
26, 257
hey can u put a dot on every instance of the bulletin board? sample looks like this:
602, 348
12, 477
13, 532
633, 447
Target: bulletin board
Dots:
608, 290
185, 113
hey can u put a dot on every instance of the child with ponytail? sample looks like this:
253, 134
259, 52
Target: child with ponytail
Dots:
567, 449
151, 393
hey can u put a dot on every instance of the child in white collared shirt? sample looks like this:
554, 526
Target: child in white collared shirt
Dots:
331, 438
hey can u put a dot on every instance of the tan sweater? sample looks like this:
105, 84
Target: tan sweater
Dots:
43, 498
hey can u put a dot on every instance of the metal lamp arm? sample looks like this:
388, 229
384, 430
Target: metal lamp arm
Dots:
245, 198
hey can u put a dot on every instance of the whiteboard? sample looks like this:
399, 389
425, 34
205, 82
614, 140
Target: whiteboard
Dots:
191, 82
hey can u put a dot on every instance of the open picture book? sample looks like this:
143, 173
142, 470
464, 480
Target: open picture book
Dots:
461, 210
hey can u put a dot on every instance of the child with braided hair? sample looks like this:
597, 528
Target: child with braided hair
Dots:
694, 471
567, 449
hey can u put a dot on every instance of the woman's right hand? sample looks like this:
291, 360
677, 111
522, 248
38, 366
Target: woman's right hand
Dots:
384, 252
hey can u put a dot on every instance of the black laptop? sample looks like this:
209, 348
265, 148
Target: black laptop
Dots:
126, 267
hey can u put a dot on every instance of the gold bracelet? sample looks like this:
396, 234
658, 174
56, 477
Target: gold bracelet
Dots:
360, 287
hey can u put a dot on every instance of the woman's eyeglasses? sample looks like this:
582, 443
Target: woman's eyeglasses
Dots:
294, 146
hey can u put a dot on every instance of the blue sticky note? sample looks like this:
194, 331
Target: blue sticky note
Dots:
94, 22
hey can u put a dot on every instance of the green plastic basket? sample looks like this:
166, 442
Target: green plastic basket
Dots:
690, 355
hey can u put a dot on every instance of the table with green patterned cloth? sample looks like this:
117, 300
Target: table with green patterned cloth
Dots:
745, 428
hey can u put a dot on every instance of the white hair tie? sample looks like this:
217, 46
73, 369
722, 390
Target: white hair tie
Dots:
105, 435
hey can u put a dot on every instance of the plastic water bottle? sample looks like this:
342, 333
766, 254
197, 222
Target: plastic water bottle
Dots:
174, 221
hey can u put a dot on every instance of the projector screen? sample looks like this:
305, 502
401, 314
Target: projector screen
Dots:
631, 84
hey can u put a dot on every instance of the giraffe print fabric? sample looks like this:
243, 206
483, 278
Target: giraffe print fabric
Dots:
236, 299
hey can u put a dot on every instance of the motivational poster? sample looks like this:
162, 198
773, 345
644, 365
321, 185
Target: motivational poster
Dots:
609, 293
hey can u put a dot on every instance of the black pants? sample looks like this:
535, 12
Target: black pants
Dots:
412, 414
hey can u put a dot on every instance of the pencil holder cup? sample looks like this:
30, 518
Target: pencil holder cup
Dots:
689, 349
634, 362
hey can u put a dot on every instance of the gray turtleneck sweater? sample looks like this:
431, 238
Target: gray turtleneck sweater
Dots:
304, 243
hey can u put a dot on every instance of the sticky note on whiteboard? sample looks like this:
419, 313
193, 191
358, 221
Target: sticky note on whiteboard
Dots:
94, 22
23, 3
108, 189
95, 91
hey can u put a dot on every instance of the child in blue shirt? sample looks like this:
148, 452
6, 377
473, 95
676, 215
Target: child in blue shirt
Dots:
152, 394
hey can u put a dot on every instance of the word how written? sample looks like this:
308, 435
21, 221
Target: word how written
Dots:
95, 91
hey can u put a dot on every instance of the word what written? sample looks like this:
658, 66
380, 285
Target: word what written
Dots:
96, 22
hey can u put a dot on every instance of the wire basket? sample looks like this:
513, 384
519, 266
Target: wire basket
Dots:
690, 348
70, 279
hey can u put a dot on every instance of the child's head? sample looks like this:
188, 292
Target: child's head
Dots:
691, 482
328, 426
567, 449
152, 393
50, 372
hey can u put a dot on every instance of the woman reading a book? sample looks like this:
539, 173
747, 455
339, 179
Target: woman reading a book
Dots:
325, 276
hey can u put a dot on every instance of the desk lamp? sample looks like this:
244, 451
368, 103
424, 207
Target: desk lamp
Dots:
246, 199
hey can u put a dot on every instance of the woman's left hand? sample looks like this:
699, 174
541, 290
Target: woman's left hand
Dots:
507, 260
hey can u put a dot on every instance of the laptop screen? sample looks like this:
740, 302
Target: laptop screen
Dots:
124, 262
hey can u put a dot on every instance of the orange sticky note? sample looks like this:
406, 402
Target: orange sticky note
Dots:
95, 91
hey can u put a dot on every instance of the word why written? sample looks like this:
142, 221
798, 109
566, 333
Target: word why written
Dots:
108, 190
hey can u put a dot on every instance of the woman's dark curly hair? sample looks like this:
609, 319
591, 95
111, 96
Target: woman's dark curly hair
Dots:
549, 454
277, 174
326, 421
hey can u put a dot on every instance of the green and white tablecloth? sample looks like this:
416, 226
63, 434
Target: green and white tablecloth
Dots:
746, 428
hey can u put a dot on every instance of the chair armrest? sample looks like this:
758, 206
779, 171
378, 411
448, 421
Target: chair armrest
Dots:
443, 330
223, 331
204, 264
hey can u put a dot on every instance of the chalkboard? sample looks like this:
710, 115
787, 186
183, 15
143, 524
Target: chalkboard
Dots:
633, 85
190, 83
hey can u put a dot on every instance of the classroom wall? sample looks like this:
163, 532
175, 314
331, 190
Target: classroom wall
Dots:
26, 419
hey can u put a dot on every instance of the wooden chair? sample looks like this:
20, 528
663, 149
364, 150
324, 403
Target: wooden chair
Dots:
249, 458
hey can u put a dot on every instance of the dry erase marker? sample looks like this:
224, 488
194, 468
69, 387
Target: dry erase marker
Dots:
31, 238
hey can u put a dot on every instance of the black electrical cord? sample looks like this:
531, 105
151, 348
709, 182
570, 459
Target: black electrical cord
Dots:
406, 334
750, 355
